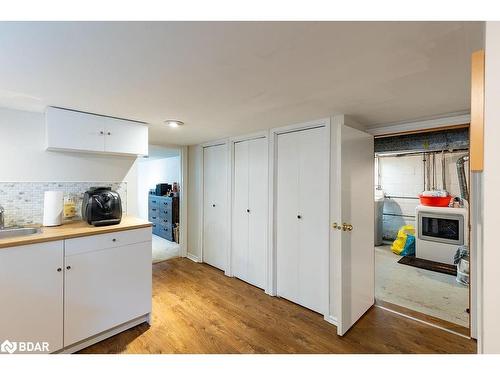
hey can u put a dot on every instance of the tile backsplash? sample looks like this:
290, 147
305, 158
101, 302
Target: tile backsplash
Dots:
23, 201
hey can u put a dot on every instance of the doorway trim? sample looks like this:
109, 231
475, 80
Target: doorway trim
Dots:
272, 250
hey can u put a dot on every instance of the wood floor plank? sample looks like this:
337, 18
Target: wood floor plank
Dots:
196, 309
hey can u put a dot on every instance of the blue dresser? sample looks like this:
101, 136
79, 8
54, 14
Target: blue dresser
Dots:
164, 214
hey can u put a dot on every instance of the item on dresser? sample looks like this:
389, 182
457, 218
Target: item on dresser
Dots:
52, 208
101, 206
163, 189
164, 214
175, 187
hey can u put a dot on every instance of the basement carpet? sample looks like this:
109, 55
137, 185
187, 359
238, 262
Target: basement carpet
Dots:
197, 309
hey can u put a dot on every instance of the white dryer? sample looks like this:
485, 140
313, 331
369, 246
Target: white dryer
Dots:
439, 232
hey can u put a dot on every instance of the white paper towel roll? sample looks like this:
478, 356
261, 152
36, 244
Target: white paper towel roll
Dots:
52, 208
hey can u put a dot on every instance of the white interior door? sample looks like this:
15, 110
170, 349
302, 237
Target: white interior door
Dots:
302, 217
258, 211
240, 216
352, 204
215, 206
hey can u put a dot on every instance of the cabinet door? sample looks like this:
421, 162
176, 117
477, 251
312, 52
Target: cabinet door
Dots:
71, 130
287, 221
126, 137
105, 288
258, 224
240, 217
31, 294
215, 206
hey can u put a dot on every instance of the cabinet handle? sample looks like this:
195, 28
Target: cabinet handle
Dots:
101, 132
248, 210
114, 240
213, 205
68, 267
59, 269
299, 216
109, 133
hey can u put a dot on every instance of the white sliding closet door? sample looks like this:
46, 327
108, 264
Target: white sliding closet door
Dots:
215, 205
302, 217
249, 239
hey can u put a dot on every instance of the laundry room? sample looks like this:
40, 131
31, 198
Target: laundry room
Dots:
421, 225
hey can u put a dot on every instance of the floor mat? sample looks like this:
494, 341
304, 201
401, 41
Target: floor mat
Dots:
430, 265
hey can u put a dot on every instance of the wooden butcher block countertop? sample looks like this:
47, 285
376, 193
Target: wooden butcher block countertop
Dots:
73, 230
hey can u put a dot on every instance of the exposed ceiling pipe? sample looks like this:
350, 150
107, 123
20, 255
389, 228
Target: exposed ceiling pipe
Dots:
462, 180
443, 169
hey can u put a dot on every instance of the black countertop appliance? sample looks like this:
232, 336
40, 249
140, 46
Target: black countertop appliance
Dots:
101, 206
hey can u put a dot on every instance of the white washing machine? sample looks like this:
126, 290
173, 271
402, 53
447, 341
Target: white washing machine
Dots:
439, 231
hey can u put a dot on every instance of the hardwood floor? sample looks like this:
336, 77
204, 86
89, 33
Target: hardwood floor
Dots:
196, 309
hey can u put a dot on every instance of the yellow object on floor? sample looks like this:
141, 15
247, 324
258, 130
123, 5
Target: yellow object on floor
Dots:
399, 244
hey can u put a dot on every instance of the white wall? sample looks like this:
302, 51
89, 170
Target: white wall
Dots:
152, 172
23, 157
403, 176
194, 201
490, 332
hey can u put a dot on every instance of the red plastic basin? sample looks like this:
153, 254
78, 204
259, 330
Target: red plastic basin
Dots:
435, 201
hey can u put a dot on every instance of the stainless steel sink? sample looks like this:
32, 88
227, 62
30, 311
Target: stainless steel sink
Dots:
18, 231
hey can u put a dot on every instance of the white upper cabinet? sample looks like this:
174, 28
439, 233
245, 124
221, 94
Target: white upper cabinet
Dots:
78, 131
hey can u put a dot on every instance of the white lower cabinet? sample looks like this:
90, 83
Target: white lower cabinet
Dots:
105, 288
73, 293
31, 295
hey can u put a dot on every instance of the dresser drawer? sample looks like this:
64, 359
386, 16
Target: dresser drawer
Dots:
153, 217
165, 221
153, 201
155, 211
166, 231
166, 213
165, 202
80, 245
156, 228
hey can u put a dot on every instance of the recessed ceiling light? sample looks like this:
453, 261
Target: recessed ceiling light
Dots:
174, 123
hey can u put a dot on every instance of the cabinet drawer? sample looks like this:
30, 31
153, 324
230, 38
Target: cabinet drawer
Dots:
75, 246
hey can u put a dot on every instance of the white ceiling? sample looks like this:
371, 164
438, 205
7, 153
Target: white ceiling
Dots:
229, 78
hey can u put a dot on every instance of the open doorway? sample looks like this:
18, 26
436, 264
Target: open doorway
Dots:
422, 226
159, 177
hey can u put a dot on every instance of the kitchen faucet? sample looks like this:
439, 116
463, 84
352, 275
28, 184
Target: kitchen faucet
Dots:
2, 221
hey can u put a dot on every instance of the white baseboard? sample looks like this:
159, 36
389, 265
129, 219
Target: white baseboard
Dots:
192, 257
330, 319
